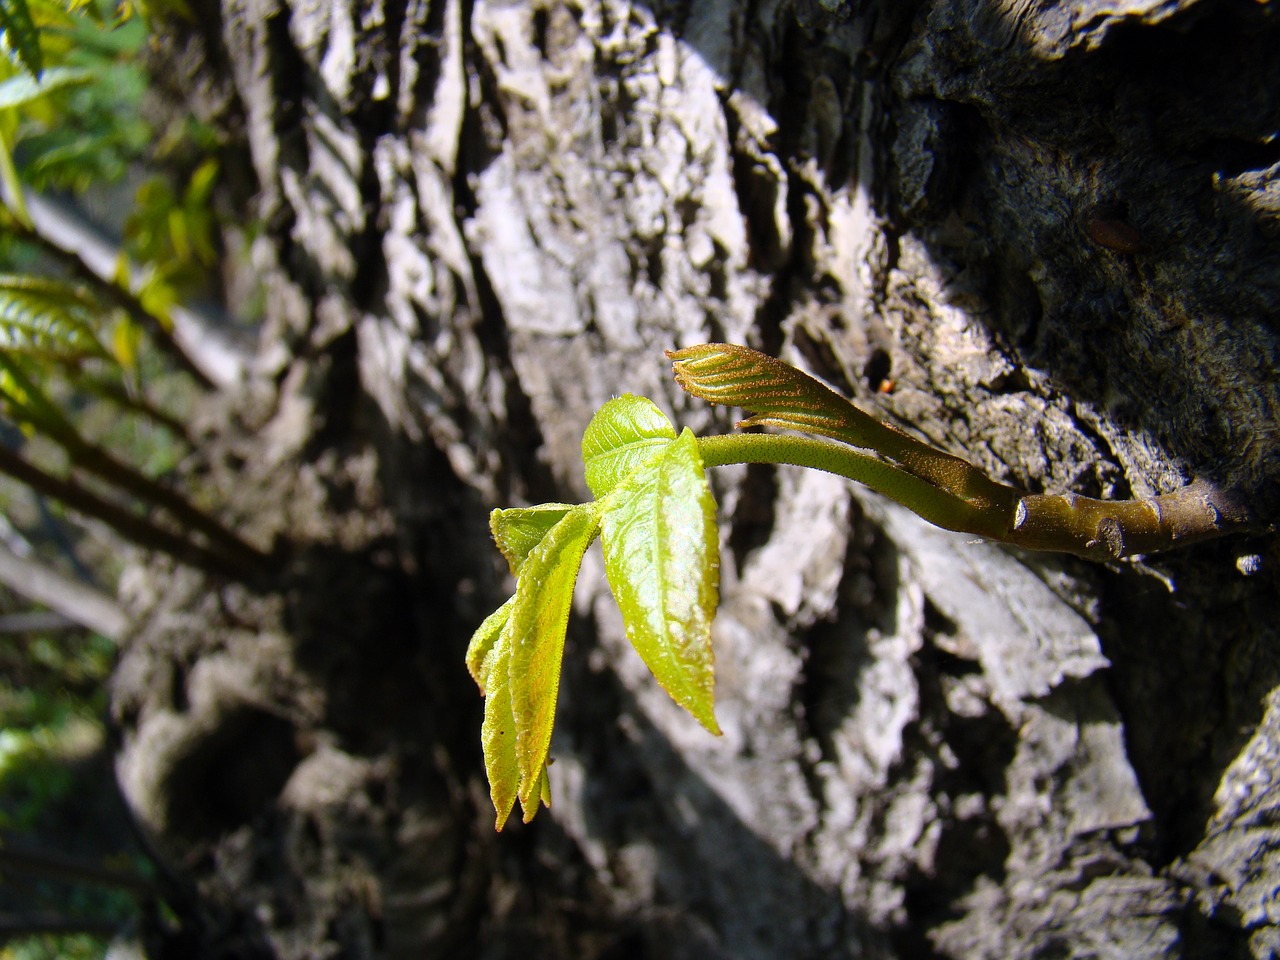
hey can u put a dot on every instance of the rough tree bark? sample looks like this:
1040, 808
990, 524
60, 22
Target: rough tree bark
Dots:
1043, 236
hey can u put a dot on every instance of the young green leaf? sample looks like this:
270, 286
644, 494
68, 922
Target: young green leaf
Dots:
539, 619
661, 552
483, 641
489, 661
498, 731
518, 530
624, 433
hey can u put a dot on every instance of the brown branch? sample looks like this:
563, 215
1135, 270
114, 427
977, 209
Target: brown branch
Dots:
134, 528
102, 464
1112, 529
122, 398
57, 866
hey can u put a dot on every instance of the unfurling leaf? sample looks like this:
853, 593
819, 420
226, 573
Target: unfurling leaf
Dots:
778, 393
539, 619
625, 433
661, 552
782, 396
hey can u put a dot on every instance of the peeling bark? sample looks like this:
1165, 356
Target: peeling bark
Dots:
1043, 237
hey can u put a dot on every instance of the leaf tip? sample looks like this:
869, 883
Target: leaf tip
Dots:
538, 795
500, 820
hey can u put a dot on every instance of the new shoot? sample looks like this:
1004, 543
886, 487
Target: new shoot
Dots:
656, 520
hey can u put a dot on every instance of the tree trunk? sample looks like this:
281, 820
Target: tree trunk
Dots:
1042, 236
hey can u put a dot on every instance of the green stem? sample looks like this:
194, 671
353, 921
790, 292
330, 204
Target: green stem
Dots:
981, 517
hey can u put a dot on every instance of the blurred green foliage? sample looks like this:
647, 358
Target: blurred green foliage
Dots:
87, 132
80, 354
21, 37
53, 782
79, 946
73, 339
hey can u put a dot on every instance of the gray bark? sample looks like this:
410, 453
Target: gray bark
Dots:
1043, 237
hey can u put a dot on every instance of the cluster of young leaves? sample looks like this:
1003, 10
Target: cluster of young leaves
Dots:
655, 516
656, 520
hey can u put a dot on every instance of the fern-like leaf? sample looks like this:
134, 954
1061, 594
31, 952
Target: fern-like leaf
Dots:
21, 35
48, 319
